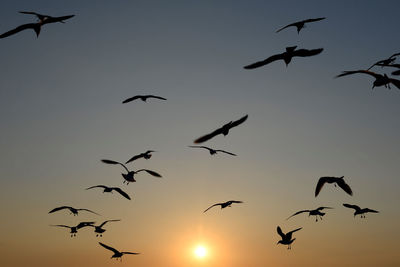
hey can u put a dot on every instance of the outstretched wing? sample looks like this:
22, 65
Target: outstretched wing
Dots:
212, 206
307, 53
289, 25
208, 136
279, 230
264, 62
112, 162
342, 184
395, 82
238, 122
135, 158
313, 20
84, 224
20, 28
153, 173
320, 184
298, 213
59, 208
119, 190
133, 253
345, 73
355, 207
101, 225
294, 230
235, 201
226, 152
61, 225
101, 186
369, 210
109, 248
61, 19
89, 211
321, 208
131, 99
155, 96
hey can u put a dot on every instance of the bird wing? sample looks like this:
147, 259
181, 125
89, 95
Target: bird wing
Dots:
279, 230
101, 225
307, 52
289, 25
201, 147
234, 201
108, 161
101, 186
153, 173
133, 253
342, 184
131, 99
294, 230
396, 54
109, 248
50, 19
355, 207
84, 224
155, 96
397, 72
321, 208
59, 208
212, 206
298, 213
134, 158
19, 28
369, 210
345, 73
89, 211
264, 62
61, 225
208, 136
119, 190
320, 184
238, 122
313, 20
226, 152
395, 82
388, 65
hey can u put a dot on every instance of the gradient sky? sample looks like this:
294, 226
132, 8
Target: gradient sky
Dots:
61, 113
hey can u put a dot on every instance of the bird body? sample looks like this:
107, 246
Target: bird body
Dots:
117, 254
380, 80
214, 151
333, 180
300, 24
286, 238
359, 211
224, 204
316, 212
142, 97
107, 189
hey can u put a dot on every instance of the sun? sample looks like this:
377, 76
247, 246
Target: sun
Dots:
200, 252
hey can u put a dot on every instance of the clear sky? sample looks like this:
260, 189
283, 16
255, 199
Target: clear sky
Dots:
61, 113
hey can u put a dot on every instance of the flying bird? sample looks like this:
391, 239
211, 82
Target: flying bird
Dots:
42, 20
99, 230
286, 238
72, 210
110, 190
224, 204
74, 229
129, 176
145, 155
380, 80
386, 61
300, 24
359, 211
317, 212
142, 97
117, 254
333, 180
286, 56
223, 130
214, 151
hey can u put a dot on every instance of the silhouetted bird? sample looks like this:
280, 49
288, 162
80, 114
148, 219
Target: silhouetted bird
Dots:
214, 151
129, 176
335, 180
300, 24
286, 56
74, 229
117, 254
286, 238
224, 204
386, 61
71, 209
142, 97
380, 80
396, 72
359, 210
223, 130
42, 20
110, 189
145, 155
99, 230
317, 212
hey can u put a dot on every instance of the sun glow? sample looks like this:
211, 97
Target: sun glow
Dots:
200, 252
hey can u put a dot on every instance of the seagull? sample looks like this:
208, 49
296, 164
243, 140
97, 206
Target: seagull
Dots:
98, 230
129, 176
145, 155
223, 130
142, 97
72, 210
42, 20
110, 189
224, 205
336, 180
317, 212
286, 56
380, 80
359, 210
287, 238
117, 254
300, 24
74, 229
386, 61
214, 151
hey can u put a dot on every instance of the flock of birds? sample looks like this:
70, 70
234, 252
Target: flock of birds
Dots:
129, 176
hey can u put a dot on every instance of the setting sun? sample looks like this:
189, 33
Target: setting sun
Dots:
200, 252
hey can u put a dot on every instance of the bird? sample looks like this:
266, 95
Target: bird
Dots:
145, 155
99, 230
286, 56
42, 20
224, 204
286, 238
214, 151
223, 130
129, 176
74, 229
110, 189
316, 212
380, 80
73, 211
335, 180
300, 24
117, 254
142, 97
386, 61
358, 210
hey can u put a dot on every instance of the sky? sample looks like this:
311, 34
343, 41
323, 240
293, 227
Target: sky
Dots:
61, 113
